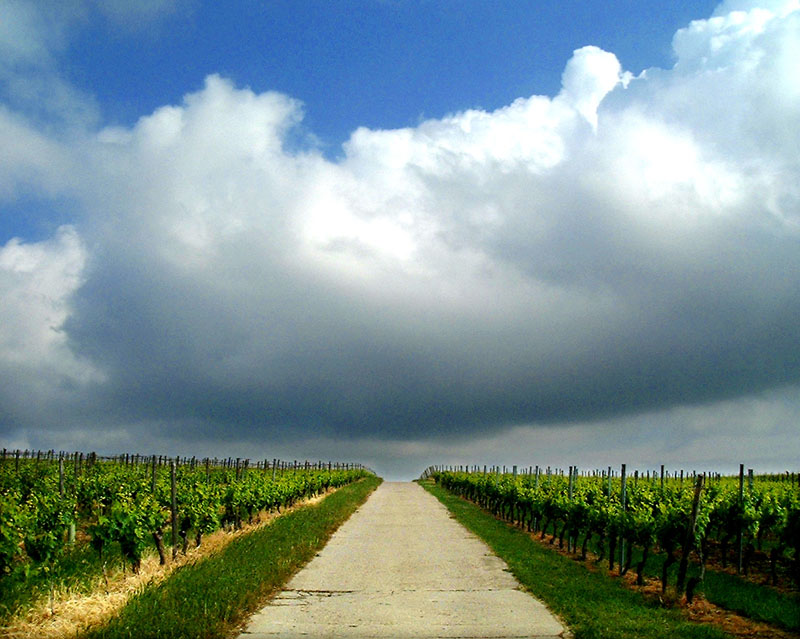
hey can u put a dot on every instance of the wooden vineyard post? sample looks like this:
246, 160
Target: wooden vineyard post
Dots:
740, 532
573, 471
623, 497
71, 526
689, 540
570, 485
174, 509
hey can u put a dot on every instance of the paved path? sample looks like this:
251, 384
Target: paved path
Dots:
401, 567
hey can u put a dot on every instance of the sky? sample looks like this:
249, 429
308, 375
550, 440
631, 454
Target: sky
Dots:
403, 232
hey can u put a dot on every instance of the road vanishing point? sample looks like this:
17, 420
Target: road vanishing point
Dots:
401, 566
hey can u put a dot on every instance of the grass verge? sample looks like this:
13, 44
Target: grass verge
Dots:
592, 604
737, 594
752, 600
211, 598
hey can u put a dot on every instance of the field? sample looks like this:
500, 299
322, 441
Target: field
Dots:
122, 547
731, 544
90, 533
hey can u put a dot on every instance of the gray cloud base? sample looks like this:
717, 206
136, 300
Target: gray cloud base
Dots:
628, 246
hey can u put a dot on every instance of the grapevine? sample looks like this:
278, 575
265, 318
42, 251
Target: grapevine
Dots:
125, 508
671, 520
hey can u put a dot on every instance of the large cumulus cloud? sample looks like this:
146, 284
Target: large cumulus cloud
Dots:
629, 244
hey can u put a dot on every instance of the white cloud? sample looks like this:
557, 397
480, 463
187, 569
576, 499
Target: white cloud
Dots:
34, 38
629, 245
30, 160
39, 370
37, 281
589, 76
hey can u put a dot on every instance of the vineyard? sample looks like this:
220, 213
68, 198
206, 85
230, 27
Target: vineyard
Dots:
747, 524
67, 515
51, 505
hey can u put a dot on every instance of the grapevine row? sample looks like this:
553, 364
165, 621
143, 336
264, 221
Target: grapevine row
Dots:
672, 519
131, 506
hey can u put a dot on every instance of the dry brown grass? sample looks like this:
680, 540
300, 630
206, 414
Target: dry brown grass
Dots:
72, 613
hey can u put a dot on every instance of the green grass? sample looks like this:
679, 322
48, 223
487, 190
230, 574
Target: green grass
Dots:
210, 598
760, 603
592, 604
752, 600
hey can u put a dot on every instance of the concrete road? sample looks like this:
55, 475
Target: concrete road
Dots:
401, 567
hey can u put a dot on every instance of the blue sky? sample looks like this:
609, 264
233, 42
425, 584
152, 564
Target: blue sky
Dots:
402, 232
372, 63
366, 63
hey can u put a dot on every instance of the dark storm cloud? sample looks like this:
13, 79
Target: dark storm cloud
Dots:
630, 245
